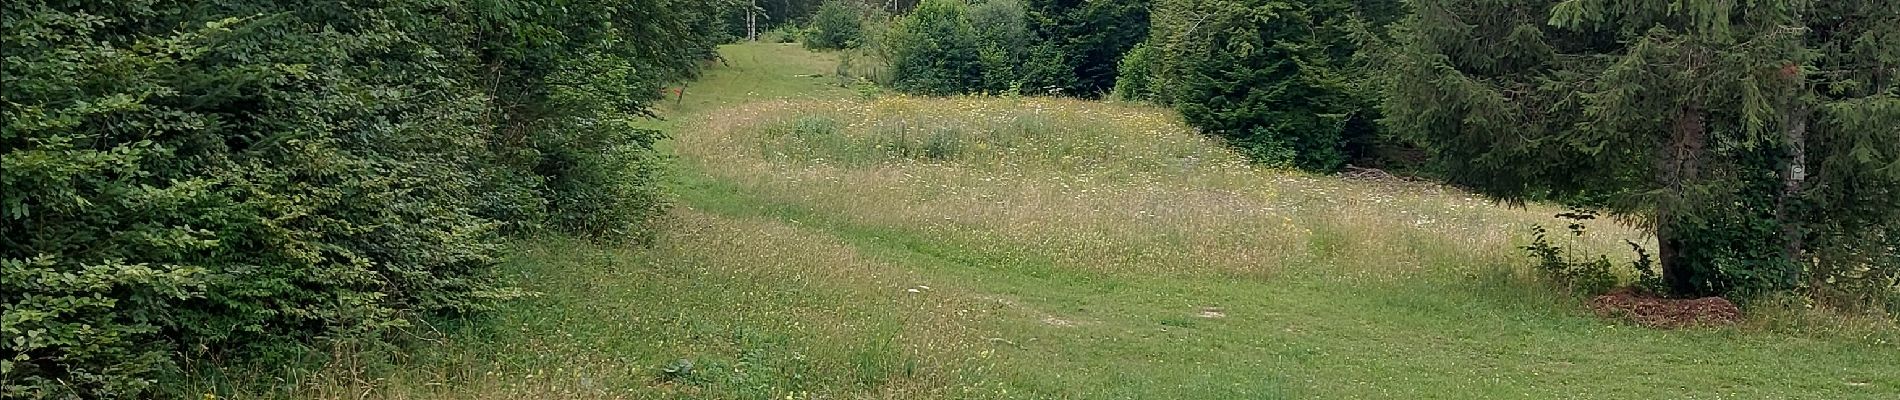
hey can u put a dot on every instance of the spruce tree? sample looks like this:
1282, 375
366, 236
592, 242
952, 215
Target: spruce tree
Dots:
1731, 129
934, 50
1273, 77
1844, 180
1082, 43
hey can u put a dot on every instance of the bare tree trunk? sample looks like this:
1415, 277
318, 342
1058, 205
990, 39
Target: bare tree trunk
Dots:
1681, 167
752, 22
1669, 257
1793, 178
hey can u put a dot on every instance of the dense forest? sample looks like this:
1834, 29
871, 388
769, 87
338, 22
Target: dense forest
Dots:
200, 181
253, 180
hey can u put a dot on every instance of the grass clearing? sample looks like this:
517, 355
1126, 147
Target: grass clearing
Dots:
1047, 248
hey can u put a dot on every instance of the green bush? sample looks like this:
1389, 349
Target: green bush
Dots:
1579, 273
240, 180
602, 173
948, 47
837, 25
1046, 70
1082, 43
1270, 76
783, 34
1135, 79
1003, 39
934, 50
1012, 46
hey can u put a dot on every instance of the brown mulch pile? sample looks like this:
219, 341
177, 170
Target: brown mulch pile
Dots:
1371, 174
1379, 176
1656, 312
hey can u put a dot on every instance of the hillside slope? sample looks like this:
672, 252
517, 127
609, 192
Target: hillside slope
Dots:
827, 246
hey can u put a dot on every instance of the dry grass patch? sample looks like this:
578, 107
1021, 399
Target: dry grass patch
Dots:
1116, 188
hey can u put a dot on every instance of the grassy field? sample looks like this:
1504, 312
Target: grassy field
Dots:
827, 246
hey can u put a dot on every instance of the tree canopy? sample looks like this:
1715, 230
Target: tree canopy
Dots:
1723, 126
253, 179
1278, 79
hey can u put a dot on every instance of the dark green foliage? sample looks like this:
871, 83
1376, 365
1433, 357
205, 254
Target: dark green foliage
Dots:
237, 180
1726, 127
1047, 70
948, 47
935, 51
1647, 277
1850, 202
1580, 272
779, 14
1003, 38
837, 25
1135, 79
1086, 41
1272, 77
601, 173
1732, 248
1038, 47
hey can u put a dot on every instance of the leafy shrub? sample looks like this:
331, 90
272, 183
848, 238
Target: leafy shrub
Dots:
867, 61
1046, 70
859, 66
1082, 43
1582, 274
52, 307
1648, 275
245, 179
1010, 47
1135, 79
602, 172
946, 47
783, 34
1268, 75
1003, 37
1721, 253
934, 50
837, 25
1858, 269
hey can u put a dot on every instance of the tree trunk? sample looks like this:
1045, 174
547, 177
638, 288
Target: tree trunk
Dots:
752, 22
1793, 178
1675, 274
1795, 113
1681, 166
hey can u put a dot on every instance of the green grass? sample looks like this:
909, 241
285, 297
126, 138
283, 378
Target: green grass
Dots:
1070, 249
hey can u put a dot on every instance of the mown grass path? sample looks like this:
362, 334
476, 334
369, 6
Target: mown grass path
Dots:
1023, 248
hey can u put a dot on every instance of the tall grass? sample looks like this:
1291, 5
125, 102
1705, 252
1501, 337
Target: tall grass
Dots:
1114, 219
997, 248
1110, 188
